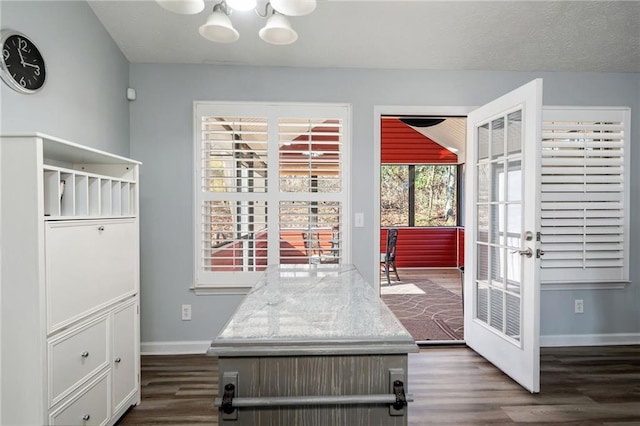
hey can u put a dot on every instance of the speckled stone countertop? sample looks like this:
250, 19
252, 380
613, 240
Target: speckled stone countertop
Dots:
312, 309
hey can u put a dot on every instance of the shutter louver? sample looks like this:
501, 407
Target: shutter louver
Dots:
583, 198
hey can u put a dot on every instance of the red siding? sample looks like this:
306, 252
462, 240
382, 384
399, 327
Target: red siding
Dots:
426, 247
460, 247
400, 144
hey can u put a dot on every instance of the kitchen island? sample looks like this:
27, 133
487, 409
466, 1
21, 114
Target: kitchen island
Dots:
312, 345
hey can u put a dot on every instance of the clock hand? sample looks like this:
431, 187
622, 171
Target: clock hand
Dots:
30, 65
21, 58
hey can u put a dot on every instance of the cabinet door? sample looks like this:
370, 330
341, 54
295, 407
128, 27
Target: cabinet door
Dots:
89, 264
125, 354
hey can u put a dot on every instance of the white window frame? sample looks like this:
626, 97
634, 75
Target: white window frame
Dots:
242, 282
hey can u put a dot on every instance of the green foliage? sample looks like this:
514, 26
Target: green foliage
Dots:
434, 195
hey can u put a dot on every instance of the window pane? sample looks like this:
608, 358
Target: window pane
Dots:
234, 154
310, 232
310, 155
394, 196
435, 195
234, 235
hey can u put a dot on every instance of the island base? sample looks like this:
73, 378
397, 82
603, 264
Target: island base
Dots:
313, 390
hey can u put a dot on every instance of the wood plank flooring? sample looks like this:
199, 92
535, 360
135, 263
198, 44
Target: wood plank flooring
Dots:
451, 386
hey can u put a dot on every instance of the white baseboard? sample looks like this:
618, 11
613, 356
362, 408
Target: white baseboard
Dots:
200, 347
590, 339
174, 348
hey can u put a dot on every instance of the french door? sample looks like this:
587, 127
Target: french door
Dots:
502, 288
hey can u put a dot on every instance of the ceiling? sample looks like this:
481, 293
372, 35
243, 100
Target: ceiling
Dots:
600, 36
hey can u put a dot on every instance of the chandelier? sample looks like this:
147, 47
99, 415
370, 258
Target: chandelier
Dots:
219, 28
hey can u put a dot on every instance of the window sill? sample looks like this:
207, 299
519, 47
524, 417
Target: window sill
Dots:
220, 290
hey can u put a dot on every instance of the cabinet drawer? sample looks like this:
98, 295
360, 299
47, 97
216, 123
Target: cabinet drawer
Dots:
89, 264
90, 406
76, 355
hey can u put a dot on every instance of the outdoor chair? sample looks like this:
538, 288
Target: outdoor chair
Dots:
388, 258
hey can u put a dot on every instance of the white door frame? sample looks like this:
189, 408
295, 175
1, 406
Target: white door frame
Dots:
378, 112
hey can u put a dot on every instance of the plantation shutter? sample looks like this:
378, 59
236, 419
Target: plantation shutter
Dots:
311, 184
270, 189
585, 195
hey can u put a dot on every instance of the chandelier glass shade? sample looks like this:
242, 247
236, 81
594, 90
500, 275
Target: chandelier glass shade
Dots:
278, 30
219, 28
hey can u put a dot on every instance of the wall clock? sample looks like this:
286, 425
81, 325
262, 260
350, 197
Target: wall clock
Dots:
22, 66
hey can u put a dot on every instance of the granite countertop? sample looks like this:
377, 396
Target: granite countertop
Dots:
319, 309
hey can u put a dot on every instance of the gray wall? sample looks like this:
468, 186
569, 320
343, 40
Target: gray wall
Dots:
84, 97
162, 137
84, 101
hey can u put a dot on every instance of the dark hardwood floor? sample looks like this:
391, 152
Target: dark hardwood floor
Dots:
451, 386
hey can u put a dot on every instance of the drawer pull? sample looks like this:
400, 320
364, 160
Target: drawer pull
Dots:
84, 354
100, 228
86, 417
117, 360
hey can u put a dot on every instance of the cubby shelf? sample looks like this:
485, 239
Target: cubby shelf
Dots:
76, 194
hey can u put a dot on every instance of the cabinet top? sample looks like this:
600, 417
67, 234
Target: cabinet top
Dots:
312, 309
62, 150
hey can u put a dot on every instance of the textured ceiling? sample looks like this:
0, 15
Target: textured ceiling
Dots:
601, 36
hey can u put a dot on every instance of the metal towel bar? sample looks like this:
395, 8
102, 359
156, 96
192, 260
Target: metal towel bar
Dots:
270, 401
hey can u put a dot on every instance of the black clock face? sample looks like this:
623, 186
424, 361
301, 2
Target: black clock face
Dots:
23, 66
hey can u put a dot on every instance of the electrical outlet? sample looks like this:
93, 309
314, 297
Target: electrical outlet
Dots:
186, 312
579, 306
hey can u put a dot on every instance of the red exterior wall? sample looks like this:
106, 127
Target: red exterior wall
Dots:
400, 144
427, 247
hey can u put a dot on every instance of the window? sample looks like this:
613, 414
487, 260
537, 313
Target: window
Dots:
585, 195
418, 195
271, 188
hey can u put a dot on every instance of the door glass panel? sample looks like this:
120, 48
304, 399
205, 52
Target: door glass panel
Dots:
514, 132
483, 223
514, 182
498, 185
483, 142
495, 224
512, 323
483, 183
514, 217
497, 138
483, 303
496, 309
497, 263
483, 263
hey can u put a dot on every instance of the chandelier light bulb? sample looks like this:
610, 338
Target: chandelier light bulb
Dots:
183, 7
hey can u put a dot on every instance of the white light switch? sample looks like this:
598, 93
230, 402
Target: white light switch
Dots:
359, 219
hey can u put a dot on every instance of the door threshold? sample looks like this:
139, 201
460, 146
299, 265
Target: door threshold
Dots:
425, 343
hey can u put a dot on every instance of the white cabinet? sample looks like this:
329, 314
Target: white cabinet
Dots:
69, 293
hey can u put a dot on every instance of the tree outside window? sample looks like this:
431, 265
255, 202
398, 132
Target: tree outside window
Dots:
418, 195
